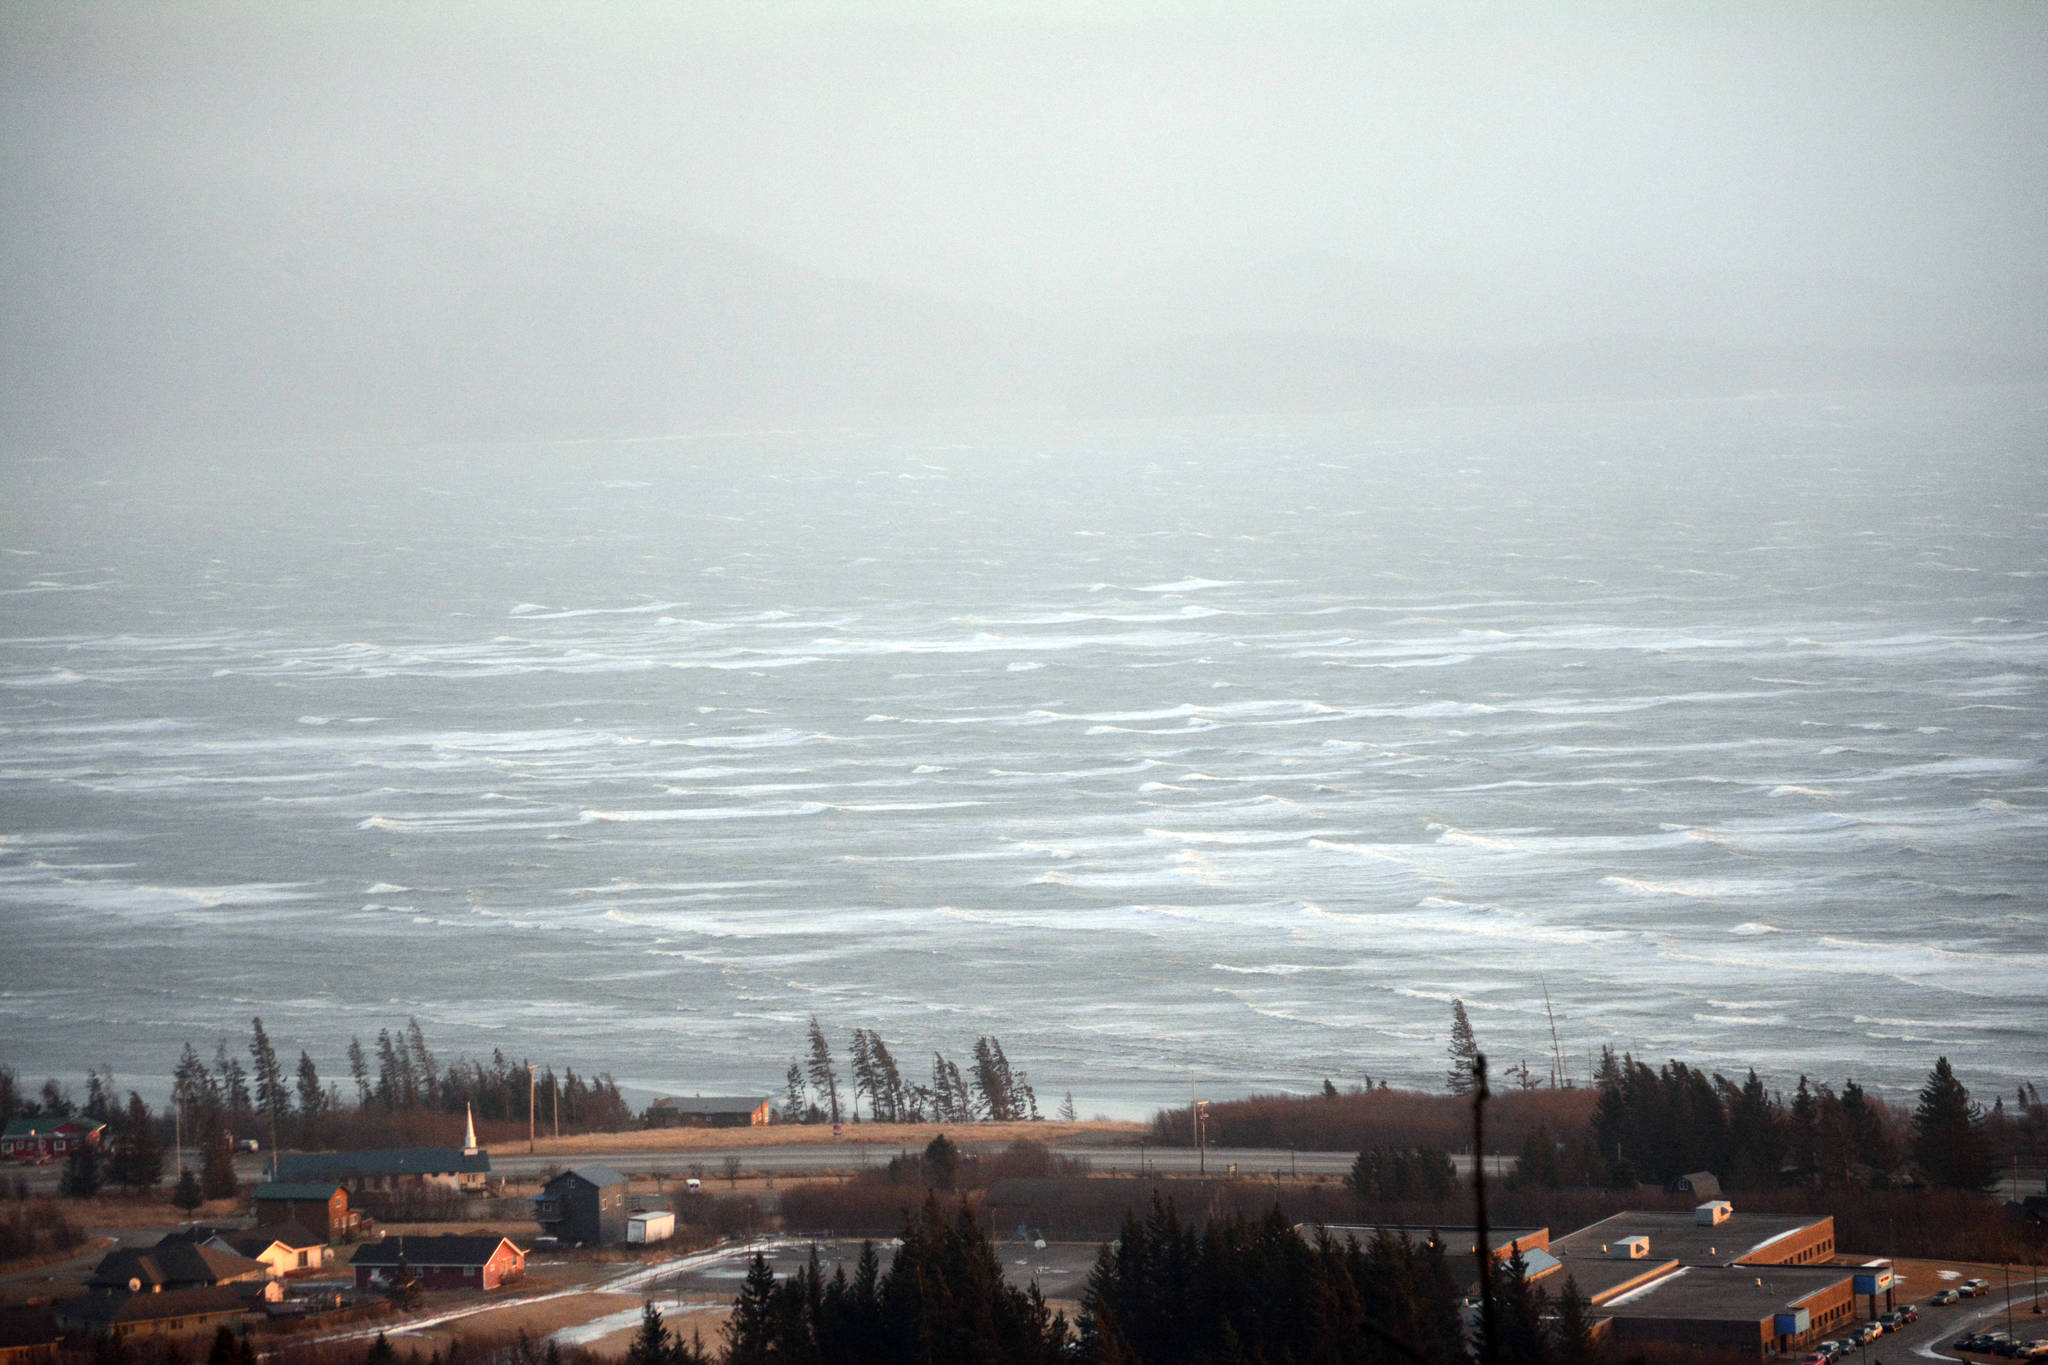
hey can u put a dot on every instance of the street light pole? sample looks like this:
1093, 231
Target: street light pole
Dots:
530, 1087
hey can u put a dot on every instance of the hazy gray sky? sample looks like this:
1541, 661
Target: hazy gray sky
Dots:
1864, 172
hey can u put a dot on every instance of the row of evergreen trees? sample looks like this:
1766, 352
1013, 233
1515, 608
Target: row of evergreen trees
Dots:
1402, 1173
990, 1092
1166, 1292
401, 1076
1239, 1291
1657, 1124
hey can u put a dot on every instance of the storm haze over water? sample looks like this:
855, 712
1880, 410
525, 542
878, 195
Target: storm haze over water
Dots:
1230, 748
1182, 539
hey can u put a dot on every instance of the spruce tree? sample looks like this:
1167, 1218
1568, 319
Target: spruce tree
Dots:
217, 1178
82, 1175
887, 1078
1464, 1050
312, 1095
823, 1080
359, 1070
1572, 1340
942, 1163
141, 1155
1948, 1133
187, 1196
793, 1093
192, 1086
653, 1344
273, 1099
863, 1065
750, 1330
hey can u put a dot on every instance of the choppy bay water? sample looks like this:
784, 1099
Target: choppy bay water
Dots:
1215, 752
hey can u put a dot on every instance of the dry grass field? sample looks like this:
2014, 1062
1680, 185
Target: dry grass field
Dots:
893, 1135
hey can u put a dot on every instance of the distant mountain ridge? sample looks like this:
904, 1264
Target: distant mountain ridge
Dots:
232, 317
1293, 372
303, 317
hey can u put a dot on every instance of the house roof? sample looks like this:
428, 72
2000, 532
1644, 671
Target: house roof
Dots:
290, 1236
27, 1128
115, 1309
197, 1233
710, 1104
27, 1326
173, 1264
593, 1173
443, 1249
298, 1191
384, 1161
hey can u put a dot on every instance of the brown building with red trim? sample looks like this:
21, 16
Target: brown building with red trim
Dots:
320, 1207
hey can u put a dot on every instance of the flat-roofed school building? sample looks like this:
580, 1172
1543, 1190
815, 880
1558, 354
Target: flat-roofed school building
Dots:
1733, 1286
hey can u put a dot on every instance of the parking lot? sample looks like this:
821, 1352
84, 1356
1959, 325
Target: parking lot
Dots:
1930, 1338
1059, 1269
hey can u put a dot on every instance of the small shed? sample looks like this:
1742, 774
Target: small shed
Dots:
584, 1204
655, 1225
1704, 1186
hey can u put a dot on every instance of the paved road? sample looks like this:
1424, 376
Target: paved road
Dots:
1928, 1339
815, 1158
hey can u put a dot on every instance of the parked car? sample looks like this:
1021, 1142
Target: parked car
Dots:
1908, 1314
1815, 1358
2037, 1349
1943, 1299
1892, 1321
1974, 1341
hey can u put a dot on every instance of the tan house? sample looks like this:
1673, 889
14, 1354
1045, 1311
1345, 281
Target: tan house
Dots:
710, 1111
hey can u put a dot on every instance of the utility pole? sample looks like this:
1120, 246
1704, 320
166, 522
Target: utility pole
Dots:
555, 1102
1557, 1077
530, 1087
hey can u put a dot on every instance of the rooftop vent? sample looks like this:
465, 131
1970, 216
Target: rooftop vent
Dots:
1713, 1214
1631, 1249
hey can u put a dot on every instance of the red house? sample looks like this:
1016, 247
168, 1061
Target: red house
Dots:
480, 1261
38, 1140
